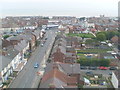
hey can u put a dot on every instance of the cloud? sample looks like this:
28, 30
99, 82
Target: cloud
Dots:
59, 1
81, 7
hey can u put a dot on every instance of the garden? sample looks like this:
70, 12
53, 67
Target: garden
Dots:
96, 79
93, 62
83, 35
93, 51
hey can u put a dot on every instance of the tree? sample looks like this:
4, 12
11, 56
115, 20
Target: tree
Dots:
101, 37
11, 30
93, 62
82, 18
45, 17
110, 34
89, 41
6, 36
104, 62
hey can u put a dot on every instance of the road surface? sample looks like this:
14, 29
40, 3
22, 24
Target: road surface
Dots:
28, 76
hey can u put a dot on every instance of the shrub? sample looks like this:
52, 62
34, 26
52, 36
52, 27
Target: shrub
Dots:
6, 36
93, 62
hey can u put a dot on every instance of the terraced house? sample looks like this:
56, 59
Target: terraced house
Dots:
10, 59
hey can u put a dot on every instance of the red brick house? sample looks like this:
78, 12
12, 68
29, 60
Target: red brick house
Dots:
57, 79
58, 56
114, 39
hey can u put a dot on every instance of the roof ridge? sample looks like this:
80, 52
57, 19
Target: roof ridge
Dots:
61, 66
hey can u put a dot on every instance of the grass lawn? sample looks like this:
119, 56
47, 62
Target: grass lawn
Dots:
84, 35
81, 55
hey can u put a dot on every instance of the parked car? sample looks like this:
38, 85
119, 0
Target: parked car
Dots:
45, 38
112, 68
42, 45
83, 67
92, 68
89, 72
36, 65
110, 73
103, 68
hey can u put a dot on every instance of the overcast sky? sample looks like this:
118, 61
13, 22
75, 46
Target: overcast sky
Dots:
59, 7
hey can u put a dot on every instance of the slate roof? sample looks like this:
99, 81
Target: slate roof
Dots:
62, 49
21, 37
70, 54
57, 78
60, 42
70, 50
70, 68
37, 33
73, 41
59, 36
5, 43
70, 60
7, 56
10, 52
20, 46
4, 61
64, 67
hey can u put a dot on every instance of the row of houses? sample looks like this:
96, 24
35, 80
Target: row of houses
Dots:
23, 21
63, 71
92, 24
15, 52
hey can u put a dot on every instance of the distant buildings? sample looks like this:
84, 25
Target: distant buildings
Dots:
19, 22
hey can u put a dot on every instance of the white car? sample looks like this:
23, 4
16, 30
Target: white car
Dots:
42, 45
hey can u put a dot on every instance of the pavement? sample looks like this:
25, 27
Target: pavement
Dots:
28, 77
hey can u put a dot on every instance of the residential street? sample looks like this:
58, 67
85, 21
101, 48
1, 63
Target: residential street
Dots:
28, 76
